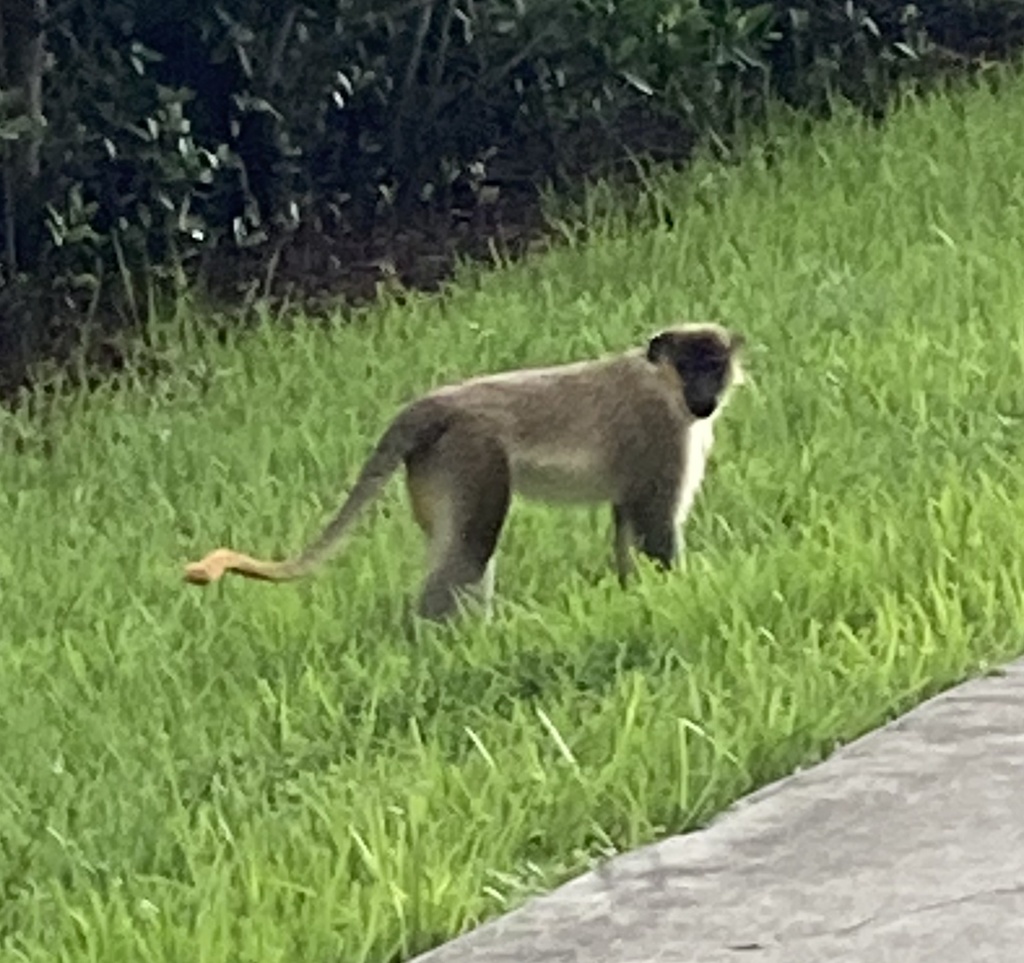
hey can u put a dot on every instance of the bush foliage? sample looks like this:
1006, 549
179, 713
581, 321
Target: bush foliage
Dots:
141, 138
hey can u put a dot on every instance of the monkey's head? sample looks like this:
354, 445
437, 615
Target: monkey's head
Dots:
706, 357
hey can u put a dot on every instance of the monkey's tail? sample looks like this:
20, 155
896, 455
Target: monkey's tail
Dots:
417, 428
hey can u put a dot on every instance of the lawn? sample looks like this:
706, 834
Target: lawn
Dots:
264, 773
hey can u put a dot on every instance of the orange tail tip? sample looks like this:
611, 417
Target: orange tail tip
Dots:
210, 568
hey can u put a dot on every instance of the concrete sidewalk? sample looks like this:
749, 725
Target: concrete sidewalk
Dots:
907, 845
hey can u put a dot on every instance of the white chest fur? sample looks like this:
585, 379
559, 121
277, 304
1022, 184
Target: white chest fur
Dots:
699, 439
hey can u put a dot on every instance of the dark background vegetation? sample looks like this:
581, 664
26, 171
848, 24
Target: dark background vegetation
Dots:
301, 150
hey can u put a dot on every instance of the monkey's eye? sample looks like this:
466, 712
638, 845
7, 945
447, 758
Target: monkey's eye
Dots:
706, 366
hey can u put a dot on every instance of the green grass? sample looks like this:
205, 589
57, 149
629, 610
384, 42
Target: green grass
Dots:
277, 773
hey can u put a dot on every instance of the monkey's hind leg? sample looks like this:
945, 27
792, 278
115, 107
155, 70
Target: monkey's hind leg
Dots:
485, 590
460, 491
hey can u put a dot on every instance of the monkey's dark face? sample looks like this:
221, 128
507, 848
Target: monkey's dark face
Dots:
703, 357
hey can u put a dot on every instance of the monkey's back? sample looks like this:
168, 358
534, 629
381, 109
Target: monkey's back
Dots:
574, 432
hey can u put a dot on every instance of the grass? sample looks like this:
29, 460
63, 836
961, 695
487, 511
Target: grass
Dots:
278, 773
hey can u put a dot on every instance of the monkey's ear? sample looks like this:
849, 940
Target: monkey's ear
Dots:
657, 346
737, 342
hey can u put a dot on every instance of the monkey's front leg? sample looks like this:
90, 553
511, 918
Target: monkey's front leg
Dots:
625, 543
649, 525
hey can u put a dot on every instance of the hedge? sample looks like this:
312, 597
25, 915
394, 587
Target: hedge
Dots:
155, 140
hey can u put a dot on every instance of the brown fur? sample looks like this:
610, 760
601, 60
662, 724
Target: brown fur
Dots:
632, 430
